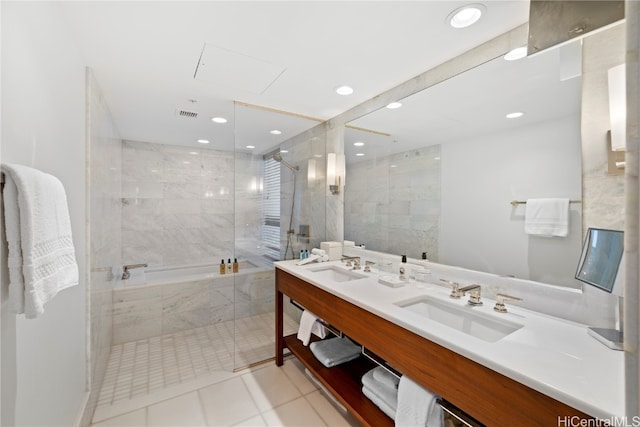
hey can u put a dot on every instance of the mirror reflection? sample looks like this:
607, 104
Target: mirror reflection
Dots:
439, 173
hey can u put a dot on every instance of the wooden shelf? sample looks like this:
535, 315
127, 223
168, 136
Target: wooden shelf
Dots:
344, 382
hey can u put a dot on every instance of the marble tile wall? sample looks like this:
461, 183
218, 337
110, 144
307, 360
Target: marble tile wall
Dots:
307, 151
104, 166
154, 310
603, 194
180, 205
394, 202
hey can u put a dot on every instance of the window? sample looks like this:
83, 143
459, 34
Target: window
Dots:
271, 209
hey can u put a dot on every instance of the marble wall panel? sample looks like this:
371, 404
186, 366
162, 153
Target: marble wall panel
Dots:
393, 203
186, 206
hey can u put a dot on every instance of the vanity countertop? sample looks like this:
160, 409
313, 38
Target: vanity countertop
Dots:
548, 354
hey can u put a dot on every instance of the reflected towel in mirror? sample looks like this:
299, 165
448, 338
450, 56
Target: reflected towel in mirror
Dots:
547, 217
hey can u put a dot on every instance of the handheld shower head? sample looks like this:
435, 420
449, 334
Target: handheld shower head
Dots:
278, 158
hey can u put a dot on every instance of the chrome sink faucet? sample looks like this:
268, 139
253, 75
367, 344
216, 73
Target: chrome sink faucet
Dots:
352, 260
474, 294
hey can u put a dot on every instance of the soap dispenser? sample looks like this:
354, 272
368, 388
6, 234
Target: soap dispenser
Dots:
403, 268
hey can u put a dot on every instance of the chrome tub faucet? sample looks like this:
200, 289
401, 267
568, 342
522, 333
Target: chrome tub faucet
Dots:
125, 270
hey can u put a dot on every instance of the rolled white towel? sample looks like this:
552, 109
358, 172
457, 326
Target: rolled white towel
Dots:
320, 252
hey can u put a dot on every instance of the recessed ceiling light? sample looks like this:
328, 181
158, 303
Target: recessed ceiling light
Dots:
219, 120
284, 151
514, 115
359, 154
359, 144
318, 155
195, 153
251, 147
394, 105
203, 141
275, 132
465, 15
393, 166
517, 53
344, 90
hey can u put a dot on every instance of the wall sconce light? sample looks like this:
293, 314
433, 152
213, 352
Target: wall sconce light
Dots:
618, 107
333, 176
311, 171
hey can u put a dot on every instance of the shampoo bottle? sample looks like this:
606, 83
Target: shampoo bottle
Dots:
235, 265
403, 268
229, 266
223, 269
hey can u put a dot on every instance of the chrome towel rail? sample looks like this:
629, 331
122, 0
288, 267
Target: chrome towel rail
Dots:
331, 329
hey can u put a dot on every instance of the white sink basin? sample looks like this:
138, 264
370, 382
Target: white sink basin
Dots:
336, 273
462, 318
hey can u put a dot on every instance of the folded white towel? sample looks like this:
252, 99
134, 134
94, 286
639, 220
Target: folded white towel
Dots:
309, 324
41, 256
547, 217
417, 406
385, 377
379, 402
316, 251
335, 351
384, 391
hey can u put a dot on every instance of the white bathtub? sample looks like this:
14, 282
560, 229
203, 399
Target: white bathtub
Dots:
166, 275
165, 300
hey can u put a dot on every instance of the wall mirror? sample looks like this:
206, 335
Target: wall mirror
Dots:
438, 174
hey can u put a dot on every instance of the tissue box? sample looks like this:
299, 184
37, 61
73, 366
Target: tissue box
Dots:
333, 249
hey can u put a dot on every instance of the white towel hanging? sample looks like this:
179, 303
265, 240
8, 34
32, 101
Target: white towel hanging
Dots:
41, 256
547, 217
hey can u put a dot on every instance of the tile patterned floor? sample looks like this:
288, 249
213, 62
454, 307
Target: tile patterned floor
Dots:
155, 368
263, 396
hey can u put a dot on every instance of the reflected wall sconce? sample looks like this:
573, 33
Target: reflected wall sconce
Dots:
618, 107
333, 173
311, 171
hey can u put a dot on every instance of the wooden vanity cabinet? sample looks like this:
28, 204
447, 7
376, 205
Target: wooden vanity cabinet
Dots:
488, 396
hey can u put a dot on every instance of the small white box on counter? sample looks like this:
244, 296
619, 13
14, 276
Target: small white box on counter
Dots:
333, 249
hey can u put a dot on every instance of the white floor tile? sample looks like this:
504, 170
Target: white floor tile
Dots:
328, 412
132, 419
295, 371
298, 413
252, 422
183, 410
227, 402
270, 387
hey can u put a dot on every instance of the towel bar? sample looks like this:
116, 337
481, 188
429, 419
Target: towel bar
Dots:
380, 362
458, 415
524, 202
331, 329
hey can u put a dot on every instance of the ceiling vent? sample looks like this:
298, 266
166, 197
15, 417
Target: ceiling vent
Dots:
187, 114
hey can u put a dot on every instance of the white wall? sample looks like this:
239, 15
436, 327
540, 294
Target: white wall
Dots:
480, 177
43, 115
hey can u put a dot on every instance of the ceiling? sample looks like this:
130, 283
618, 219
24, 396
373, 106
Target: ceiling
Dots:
545, 86
155, 58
